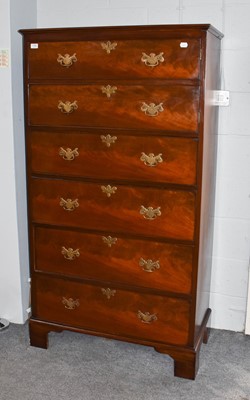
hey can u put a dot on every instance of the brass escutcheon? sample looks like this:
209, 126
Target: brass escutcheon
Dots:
70, 303
108, 46
66, 60
68, 154
68, 204
149, 265
146, 317
108, 292
69, 253
150, 159
108, 139
108, 90
67, 107
152, 60
151, 109
108, 190
109, 241
150, 212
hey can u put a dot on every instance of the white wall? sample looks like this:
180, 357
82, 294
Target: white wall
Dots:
13, 247
232, 213
20, 19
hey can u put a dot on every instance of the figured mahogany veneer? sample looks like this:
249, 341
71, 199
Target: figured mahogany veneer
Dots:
117, 314
122, 109
121, 211
118, 259
114, 156
124, 61
121, 154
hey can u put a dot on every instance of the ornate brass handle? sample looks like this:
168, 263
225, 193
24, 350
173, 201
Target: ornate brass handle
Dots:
150, 159
70, 303
149, 265
152, 60
108, 139
66, 60
109, 241
108, 190
152, 110
67, 107
150, 212
109, 90
68, 154
69, 253
146, 317
68, 204
108, 46
108, 292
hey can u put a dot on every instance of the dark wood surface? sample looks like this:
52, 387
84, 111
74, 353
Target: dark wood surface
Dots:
119, 262
122, 109
121, 212
121, 160
124, 61
117, 315
103, 287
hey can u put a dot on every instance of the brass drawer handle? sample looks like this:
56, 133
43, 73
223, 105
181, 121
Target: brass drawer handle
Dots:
66, 60
146, 317
108, 46
152, 60
67, 107
149, 265
70, 303
68, 154
109, 241
109, 90
151, 109
108, 292
108, 190
108, 139
150, 212
69, 253
68, 204
150, 159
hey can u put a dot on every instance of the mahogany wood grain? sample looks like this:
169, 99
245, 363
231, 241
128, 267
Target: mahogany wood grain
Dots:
182, 131
122, 159
121, 212
119, 262
121, 110
122, 62
207, 181
116, 315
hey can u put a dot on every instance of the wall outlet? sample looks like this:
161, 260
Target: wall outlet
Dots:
220, 98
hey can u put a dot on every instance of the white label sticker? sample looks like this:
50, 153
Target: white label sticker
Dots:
4, 58
183, 45
34, 45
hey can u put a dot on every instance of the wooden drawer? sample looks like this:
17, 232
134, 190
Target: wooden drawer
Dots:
114, 208
173, 58
157, 107
115, 311
114, 156
114, 259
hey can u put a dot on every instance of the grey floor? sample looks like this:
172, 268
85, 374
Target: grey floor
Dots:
81, 367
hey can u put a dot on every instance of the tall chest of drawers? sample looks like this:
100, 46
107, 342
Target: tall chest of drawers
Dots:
120, 148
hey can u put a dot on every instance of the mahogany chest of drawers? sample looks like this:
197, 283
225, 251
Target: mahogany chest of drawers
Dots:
121, 146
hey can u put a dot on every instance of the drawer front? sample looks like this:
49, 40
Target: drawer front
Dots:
111, 310
115, 259
169, 58
114, 156
113, 105
108, 207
